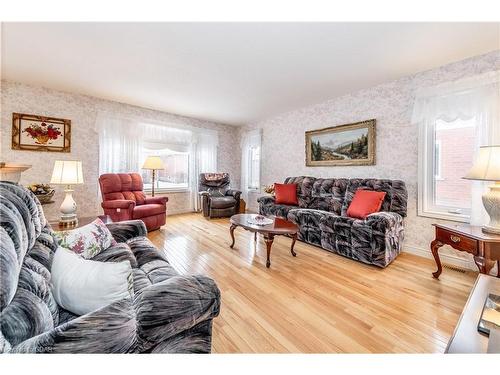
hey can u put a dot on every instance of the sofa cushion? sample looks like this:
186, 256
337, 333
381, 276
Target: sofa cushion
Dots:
308, 222
88, 240
328, 194
148, 210
394, 201
82, 286
286, 194
304, 189
365, 202
222, 202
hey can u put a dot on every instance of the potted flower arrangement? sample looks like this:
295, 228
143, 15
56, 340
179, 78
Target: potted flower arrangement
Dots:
269, 189
43, 192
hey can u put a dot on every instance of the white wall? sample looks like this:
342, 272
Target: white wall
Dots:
391, 105
82, 111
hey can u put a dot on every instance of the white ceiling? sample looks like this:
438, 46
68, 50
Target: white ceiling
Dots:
232, 73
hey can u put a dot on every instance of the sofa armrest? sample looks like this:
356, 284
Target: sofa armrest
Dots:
118, 203
125, 230
111, 329
175, 305
233, 193
266, 199
384, 220
156, 200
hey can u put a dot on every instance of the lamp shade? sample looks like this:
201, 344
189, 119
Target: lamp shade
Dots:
67, 172
487, 166
153, 162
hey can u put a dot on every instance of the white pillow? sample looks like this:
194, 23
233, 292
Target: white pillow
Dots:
81, 286
88, 240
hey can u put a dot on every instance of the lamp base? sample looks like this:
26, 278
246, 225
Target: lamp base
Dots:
491, 202
68, 210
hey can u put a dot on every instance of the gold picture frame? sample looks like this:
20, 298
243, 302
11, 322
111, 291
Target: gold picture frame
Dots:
40, 133
349, 144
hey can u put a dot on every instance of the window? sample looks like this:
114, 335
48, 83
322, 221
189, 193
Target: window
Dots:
443, 193
251, 150
254, 168
175, 176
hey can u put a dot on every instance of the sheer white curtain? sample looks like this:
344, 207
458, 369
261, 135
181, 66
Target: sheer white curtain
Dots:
119, 144
249, 140
204, 151
476, 97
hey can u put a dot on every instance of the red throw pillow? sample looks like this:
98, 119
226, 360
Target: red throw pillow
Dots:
286, 194
364, 203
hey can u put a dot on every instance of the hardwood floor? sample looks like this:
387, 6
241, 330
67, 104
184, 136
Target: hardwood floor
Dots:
318, 302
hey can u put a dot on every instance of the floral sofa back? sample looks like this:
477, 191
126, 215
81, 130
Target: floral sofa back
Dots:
322, 217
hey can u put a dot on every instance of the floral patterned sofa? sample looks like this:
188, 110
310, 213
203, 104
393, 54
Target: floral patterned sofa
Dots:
322, 217
169, 313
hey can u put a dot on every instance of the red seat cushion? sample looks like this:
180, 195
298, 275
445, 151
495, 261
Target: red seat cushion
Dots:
364, 203
286, 194
148, 210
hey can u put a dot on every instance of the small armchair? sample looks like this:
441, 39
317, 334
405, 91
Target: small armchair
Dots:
123, 199
217, 200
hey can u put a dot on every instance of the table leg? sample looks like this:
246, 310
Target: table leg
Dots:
483, 264
294, 239
269, 238
435, 245
231, 230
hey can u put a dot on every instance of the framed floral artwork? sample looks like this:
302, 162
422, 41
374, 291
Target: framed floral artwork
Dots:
40, 133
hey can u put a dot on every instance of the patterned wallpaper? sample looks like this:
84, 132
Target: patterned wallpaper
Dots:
82, 110
391, 105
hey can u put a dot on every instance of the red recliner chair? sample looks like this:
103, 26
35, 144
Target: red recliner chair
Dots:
124, 199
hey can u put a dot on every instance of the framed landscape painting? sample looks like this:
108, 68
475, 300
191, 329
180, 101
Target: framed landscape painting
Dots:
39, 133
351, 144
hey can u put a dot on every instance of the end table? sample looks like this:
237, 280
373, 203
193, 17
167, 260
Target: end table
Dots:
484, 247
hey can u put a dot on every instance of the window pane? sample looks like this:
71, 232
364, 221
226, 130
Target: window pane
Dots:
453, 157
254, 168
176, 172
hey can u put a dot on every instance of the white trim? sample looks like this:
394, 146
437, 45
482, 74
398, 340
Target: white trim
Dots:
445, 258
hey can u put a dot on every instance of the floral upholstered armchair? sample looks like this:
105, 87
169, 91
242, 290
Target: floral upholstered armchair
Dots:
217, 199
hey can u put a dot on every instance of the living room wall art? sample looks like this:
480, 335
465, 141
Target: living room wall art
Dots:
350, 144
40, 133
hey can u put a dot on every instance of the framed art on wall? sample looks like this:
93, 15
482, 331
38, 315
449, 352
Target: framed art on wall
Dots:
351, 144
40, 133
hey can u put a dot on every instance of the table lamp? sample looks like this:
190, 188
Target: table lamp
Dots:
67, 172
487, 168
153, 163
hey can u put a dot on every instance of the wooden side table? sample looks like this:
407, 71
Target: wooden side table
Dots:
81, 222
484, 247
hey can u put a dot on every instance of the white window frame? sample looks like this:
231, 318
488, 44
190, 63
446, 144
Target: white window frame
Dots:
250, 172
438, 164
426, 178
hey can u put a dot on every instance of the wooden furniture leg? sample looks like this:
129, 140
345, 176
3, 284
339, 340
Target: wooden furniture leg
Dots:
483, 264
269, 238
231, 230
294, 239
435, 245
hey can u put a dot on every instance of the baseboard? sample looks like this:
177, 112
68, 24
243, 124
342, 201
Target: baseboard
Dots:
445, 258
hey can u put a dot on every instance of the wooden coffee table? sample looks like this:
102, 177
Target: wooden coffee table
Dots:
279, 227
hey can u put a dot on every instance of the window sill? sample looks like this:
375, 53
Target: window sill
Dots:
462, 218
